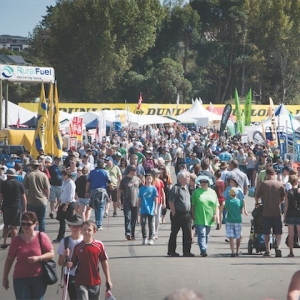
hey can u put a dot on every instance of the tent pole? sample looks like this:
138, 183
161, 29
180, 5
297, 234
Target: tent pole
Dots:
1, 98
6, 104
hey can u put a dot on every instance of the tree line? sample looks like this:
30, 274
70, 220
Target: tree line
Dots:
111, 50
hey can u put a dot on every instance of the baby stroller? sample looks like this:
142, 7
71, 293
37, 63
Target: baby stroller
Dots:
257, 238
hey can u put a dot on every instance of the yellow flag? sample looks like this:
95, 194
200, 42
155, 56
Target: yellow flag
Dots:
57, 144
49, 126
38, 141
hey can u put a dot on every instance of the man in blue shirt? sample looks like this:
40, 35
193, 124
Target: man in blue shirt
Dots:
225, 155
96, 191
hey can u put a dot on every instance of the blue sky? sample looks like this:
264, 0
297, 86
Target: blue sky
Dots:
19, 17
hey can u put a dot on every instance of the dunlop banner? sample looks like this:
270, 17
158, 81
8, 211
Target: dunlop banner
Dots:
258, 112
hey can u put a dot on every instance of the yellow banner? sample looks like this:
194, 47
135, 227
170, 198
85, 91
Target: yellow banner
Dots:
259, 112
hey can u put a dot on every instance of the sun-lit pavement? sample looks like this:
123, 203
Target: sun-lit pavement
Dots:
145, 272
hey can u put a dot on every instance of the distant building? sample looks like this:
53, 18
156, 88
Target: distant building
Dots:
13, 42
13, 60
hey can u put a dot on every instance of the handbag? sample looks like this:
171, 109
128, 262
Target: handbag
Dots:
49, 268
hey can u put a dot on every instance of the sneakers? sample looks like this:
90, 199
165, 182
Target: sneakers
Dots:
239, 253
291, 255
56, 241
278, 253
145, 241
150, 242
218, 227
267, 254
114, 214
189, 254
232, 255
173, 254
156, 237
105, 215
99, 228
51, 215
203, 254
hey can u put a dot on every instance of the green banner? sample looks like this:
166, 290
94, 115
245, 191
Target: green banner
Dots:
238, 112
248, 108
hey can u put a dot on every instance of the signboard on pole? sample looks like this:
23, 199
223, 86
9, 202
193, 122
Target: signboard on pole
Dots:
26, 73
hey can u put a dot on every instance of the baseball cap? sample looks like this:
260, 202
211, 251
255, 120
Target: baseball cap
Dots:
109, 158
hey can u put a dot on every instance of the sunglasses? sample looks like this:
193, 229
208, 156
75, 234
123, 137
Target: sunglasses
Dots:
203, 181
28, 224
133, 170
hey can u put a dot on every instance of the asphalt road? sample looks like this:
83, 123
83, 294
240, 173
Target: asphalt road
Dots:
145, 272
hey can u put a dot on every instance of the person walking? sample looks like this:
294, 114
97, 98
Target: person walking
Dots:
292, 211
161, 199
180, 206
12, 202
128, 190
96, 185
67, 203
55, 184
115, 176
87, 255
84, 208
205, 211
29, 252
65, 251
38, 190
272, 191
147, 207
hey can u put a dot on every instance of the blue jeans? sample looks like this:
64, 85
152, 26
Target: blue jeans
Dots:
130, 214
99, 212
243, 168
40, 212
203, 235
29, 288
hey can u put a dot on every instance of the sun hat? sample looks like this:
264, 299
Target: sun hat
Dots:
75, 220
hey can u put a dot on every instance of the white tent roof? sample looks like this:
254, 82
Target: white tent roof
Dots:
14, 112
198, 113
283, 122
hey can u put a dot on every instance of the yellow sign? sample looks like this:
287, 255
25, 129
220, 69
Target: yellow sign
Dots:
259, 112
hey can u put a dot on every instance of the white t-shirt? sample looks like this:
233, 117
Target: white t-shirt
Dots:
61, 249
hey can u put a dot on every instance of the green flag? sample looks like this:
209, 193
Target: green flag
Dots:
238, 114
248, 108
242, 122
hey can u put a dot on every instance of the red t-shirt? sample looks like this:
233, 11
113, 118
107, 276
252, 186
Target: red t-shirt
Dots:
22, 250
160, 189
86, 257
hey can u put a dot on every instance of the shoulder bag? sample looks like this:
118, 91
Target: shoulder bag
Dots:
49, 268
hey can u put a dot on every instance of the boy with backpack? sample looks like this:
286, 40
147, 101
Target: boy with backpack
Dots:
65, 251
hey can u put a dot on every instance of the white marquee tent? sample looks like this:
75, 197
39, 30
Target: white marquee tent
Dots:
15, 112
198, 113
284, 123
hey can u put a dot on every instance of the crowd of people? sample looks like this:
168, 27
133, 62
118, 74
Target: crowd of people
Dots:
131, 171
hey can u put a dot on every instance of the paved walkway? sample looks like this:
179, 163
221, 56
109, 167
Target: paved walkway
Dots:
145, 272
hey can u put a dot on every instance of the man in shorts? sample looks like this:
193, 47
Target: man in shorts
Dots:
272, 191
12, 193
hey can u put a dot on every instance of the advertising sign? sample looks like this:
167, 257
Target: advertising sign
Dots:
26, 73
75, 129
258, 113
